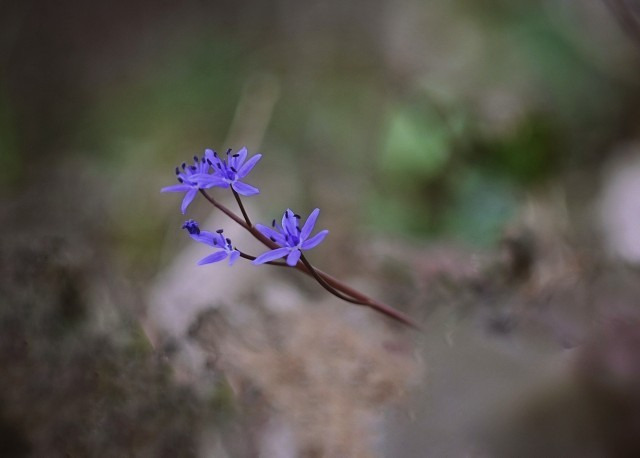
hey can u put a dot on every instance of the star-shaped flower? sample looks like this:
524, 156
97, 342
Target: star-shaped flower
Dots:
216, 240
190, 180
291, 238
228, 172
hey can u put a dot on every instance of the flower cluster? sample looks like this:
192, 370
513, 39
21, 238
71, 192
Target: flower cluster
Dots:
213, 171
285, 239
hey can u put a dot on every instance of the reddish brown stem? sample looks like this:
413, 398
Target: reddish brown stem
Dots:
330, 280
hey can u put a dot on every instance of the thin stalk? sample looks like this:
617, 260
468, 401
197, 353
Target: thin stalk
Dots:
325, 285
332, 281
244, 212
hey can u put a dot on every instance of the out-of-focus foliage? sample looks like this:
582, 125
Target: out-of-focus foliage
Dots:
406, 105
429, 121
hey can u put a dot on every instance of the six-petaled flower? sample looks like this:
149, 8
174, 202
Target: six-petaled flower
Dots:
190, 180
291, 237
216, 240
228, 172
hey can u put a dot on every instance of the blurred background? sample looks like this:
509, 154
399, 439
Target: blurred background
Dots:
477, 164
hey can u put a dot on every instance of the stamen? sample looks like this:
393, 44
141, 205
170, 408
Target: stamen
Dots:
236, 155
220, 231
228, 151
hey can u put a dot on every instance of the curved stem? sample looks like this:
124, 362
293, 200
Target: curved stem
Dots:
224, 210
332, 281
244, 212
325, 285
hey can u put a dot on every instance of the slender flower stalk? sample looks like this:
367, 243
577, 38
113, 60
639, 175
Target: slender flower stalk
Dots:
361, 298
244, 212
286, 239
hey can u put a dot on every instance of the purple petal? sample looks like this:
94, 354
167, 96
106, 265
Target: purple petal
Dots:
235, 254
236, 162
268, 232
245, 189
205, 237
246, 168
215, 257
176, 188
208, 181
289, 222
188, 198
208, 154
294, 257
271, 255
315, 240
216, 163
308, 225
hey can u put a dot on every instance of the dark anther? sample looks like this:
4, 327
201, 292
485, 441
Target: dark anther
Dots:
233, 169
184, 165
215, 242
272, 239
219, 166
229, 241
209, 161
177, 171
236, 155
203, 159
297, 216
273, 223
195, 158
193, 167
215, 153
180, 180
228, 151
220, 231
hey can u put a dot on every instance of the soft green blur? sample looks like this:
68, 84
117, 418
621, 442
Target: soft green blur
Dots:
432, 118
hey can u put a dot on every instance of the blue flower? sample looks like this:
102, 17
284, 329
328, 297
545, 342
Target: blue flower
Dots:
190, 180
216, 240
291, 238
227, 172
